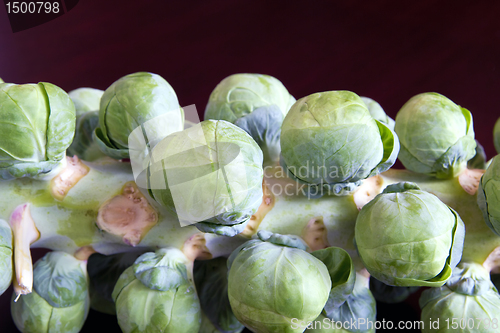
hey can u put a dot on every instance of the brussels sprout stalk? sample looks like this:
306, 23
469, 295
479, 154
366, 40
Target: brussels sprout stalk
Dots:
71, 222
25, 233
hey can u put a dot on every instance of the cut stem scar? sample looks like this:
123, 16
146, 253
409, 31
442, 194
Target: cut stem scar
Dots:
315, 234
469, 180
25, 233
128, 215
370, 188
195, 248
68, 177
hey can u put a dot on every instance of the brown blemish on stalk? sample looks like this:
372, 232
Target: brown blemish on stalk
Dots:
367, 191
68, 177
469, 180
25, 233
128, 215
265, 207
315, 234
195, 248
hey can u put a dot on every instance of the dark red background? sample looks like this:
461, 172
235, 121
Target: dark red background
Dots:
386, 50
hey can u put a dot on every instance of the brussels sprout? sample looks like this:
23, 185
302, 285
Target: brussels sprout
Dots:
408, 237
156, 295
468, 302
1, 81
257, 103
59, 301
436, 135
329, 140
378, 113
5, 256
139, 100
496, 135
390, 294
210, 277
83, 144
488, 195
210, 173
272, 280
479, 160
85, 99
37, 127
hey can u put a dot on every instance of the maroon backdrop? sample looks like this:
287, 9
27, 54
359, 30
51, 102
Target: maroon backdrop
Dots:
386, 50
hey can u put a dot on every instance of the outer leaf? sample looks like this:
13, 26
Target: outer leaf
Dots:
496, 136
360, 304
378, 113
389, 294
59, 279
210, 277
115, 153
162, 270
264, 126
488, 195
342, 275
390, 142
84, 145
61, 125
104, 272
85, 99
479, 159
5, 256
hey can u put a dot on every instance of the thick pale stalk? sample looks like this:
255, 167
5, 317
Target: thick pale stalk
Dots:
70, 224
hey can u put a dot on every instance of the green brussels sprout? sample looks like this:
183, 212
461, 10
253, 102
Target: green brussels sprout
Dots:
330, 141
378, 113
83, 144
1, 81
272, 280
156, 295
468, 302
257, 103
488, 195
496, 135
210, 277
37, 127
210, 173
436, 135
5, 256
140, 100
59, 301
390, 294
85, 99
408, 237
